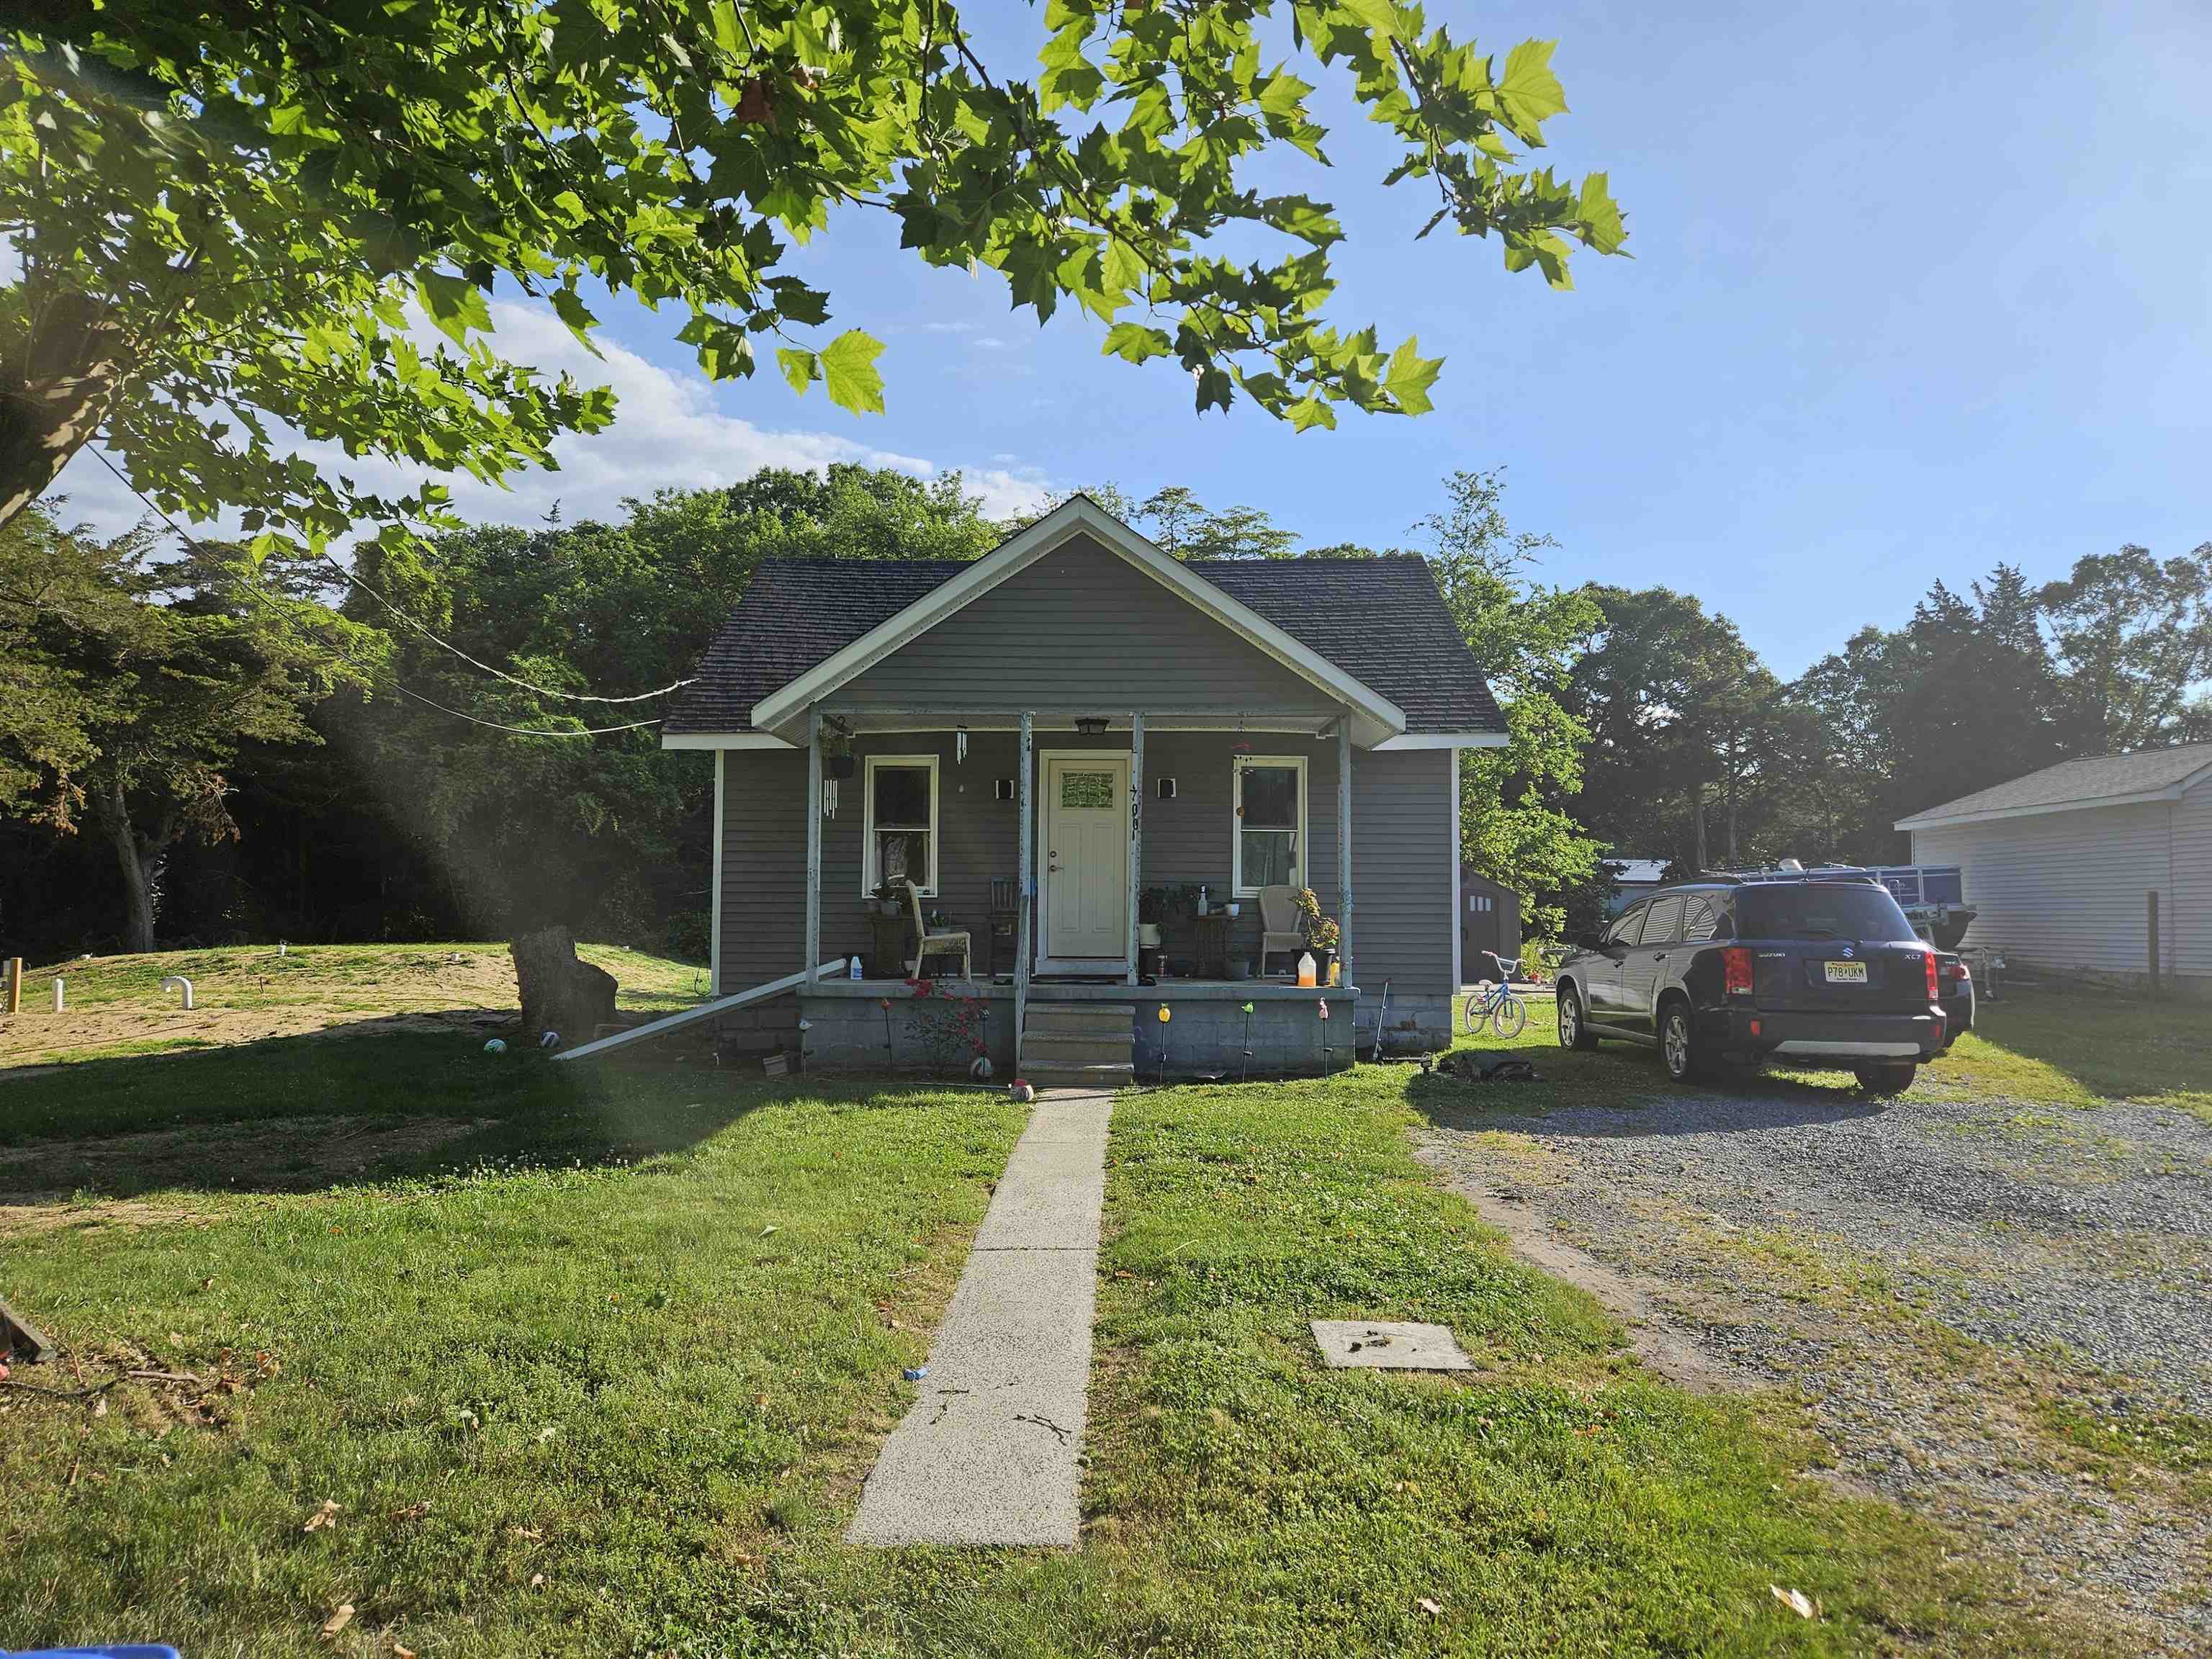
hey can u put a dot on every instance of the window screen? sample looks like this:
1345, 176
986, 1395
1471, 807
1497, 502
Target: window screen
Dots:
1270, 811
902, 819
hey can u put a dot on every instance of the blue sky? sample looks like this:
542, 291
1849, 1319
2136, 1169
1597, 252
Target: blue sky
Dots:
1915, 289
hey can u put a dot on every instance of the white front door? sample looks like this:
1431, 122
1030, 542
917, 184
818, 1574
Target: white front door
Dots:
1086, 858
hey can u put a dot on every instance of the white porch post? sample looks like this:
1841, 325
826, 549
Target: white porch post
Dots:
1344, 845
813, 962
1026, 905
1136, 828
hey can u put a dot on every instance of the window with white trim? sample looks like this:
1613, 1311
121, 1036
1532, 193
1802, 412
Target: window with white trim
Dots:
899, 838
1271, 822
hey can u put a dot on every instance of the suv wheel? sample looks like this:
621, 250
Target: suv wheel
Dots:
1893, 1079
1678, 1043
1574, 1030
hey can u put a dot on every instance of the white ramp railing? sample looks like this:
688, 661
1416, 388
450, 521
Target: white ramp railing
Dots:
662, 1027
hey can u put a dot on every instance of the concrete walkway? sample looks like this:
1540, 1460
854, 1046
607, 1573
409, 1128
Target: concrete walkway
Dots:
990, 1452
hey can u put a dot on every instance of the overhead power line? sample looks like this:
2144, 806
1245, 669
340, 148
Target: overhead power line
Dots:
192, 542
347, 576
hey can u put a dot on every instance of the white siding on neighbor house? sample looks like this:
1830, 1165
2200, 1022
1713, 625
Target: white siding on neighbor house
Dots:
2192, 881
2062, 891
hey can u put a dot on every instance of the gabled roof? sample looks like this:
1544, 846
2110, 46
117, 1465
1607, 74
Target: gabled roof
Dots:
1373, 632
2102, 781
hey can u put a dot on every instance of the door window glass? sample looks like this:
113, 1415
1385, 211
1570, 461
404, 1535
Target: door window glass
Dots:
1086, 789
1700, 922
1625, 931
1665, 926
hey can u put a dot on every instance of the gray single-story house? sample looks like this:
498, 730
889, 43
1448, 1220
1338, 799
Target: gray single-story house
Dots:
2065, 868
1037, 738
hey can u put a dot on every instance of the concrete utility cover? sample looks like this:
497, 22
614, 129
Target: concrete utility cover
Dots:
1388, 1345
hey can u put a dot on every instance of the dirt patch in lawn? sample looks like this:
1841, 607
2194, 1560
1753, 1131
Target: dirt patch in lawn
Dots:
292, 1155
123, 1028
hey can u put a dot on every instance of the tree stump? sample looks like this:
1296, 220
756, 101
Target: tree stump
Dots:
559, 991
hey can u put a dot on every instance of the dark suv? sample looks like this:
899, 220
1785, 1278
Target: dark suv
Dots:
1824, 973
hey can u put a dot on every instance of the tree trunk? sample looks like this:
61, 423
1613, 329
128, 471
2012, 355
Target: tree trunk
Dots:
56, 403
137, 865
1697, 806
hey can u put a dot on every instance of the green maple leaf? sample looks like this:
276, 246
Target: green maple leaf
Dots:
1529, 93
848, 369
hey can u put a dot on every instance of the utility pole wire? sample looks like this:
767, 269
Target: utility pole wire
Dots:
193, 542
347, 576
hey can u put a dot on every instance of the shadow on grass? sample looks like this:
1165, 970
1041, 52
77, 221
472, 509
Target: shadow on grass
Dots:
2114, 1046
294, 1114
1628, 1081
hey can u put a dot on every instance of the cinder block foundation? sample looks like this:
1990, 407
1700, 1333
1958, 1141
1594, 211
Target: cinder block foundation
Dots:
848, 1032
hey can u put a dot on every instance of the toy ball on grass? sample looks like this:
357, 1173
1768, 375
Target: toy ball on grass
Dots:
496, 1046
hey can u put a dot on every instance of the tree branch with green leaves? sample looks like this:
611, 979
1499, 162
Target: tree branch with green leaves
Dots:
241, 231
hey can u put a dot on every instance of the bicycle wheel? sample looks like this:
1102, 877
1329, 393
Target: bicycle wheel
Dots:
1476, 1012
1509, 1016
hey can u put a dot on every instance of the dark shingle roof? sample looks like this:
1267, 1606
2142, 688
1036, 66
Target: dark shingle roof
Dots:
2077, 782
1382, 620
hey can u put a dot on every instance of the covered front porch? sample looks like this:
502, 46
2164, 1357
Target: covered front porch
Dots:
1047, 837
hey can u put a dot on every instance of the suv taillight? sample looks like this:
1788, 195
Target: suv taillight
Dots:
1935, 987
1735, 970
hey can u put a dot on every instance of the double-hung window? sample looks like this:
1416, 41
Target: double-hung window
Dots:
900, 837
1271, 822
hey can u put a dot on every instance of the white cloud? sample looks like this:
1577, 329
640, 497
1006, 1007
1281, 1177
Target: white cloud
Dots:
667, 432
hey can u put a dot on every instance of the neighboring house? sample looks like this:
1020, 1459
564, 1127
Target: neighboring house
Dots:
1489, 919
1632, 879
2059, 865
1038, 735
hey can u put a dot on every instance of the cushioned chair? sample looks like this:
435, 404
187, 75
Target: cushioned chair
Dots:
927, 944
1279, 925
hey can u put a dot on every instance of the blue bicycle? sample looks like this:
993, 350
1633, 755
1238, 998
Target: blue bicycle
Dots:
1496, 1006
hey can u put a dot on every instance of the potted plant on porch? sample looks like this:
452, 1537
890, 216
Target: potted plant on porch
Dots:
1324, 936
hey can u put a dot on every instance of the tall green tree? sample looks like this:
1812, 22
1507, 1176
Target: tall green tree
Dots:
1514, 823
1680, 712
1964, 695
229, 218
2133, 637
142, 677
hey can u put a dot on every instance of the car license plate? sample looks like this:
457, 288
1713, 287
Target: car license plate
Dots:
1847, 973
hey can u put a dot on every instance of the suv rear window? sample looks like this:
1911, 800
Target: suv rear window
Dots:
1820, 910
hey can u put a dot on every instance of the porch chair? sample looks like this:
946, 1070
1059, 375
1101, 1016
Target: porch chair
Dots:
1279, 925
927, 944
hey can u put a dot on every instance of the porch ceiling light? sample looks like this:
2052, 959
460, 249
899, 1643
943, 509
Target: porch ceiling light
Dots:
1092, 725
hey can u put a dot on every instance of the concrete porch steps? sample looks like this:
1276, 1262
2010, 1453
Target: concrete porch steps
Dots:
1080, 1045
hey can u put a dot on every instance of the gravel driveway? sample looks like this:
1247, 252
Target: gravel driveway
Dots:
1999, 1313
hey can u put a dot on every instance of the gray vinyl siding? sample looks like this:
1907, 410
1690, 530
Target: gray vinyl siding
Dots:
1082, 626
1405, 869
1402, 854
2062, 891
763, 866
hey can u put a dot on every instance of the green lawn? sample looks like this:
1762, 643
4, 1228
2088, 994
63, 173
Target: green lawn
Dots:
601, 1373
2032, 1046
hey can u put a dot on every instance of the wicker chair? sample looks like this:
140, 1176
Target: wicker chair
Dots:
927, 943
1279, 925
